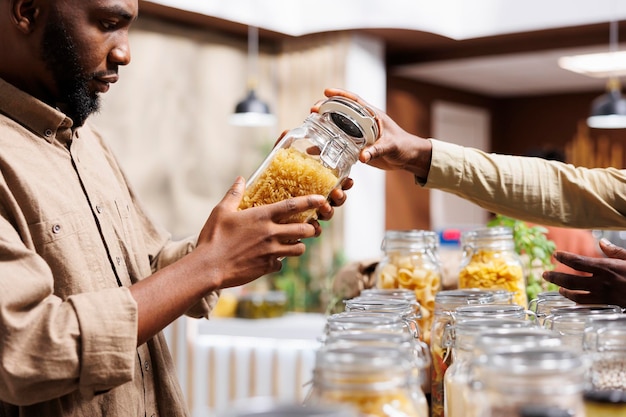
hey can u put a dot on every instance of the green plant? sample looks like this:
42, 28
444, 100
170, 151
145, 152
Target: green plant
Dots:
535, 249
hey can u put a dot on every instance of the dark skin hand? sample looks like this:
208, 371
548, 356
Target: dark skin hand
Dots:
395, 149
606, 279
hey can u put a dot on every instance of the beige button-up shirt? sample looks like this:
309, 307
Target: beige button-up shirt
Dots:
531, 189
73, 238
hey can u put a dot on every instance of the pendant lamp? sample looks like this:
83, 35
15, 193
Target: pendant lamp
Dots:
251, 111
609, 110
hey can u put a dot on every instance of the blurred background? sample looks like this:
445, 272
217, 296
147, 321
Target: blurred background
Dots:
485, 73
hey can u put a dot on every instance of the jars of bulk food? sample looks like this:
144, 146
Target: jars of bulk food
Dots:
375, 380
315, 157
604, 342
490, 262
410, 262
445, 303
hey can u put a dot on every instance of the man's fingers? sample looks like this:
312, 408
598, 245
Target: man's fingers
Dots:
580, 263
611, 250
571, 282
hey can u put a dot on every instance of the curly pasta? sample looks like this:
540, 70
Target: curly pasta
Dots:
290, 174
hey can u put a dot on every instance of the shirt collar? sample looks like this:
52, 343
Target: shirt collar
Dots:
35, 115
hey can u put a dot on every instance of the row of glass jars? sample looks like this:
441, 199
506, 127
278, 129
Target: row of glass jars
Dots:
411, 261
372, 356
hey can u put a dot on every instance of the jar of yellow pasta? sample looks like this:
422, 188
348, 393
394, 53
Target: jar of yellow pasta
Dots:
314, 157
378, 381
490, 262
410, 262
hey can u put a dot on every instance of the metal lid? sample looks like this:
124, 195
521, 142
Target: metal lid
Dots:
352, 118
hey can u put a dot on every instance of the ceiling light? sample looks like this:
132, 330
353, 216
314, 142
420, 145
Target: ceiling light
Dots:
609, 110
251, 111
600, 65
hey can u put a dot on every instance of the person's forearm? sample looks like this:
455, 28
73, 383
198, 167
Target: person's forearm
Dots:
167, 294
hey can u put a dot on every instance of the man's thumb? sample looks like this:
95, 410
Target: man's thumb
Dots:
611, 250
235, 193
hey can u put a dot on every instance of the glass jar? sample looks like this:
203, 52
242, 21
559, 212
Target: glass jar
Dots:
410, 262
546, 301
445, 303
503, 383
313, 158
421, 358
375, 380
604, 341
462, 337
490, 262
570, 321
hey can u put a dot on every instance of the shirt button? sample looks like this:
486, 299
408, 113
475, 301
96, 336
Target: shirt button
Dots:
119, 260
47, 133
146, 365
99, 209
56, 228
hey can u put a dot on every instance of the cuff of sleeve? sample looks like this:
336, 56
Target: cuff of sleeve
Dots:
108, 328
446, 166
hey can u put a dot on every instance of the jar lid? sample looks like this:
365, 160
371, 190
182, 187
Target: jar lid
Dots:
352, 118
402, 293
364, 319
515, 338
461, 297
410, 239
489, 310
585, 310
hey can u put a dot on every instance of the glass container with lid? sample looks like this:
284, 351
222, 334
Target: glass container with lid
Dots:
376, 380
462, 337
604, 341
410, 261
315, 157
503, 383
403, 341
445, 303
490, 262
570, 322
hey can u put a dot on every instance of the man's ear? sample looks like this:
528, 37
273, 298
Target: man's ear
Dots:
24, 14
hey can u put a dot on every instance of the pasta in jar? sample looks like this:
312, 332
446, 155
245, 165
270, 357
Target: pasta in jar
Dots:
491, 263
410, 263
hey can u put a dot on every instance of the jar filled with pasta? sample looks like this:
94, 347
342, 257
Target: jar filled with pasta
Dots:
315, 157
410, 262
490, 262
445, 303
376, 380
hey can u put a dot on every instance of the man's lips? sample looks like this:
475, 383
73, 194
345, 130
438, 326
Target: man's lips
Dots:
103, 82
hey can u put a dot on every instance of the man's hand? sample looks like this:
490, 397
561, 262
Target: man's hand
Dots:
605, 282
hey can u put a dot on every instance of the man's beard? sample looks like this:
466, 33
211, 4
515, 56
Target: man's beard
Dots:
60, 55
